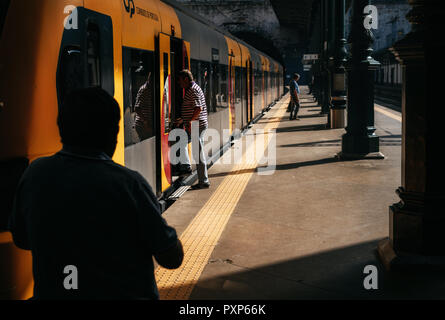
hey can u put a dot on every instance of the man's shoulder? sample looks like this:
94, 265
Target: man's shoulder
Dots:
119, 169
133, 177
108, 166
42, 163
196, 88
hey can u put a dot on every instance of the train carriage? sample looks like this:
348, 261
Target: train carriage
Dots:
48, 48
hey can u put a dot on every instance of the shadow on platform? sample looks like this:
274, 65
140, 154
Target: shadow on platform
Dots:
313, 127
325, 143
287, 166
336, 274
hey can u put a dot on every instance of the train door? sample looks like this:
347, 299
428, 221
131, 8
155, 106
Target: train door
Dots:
251, 91
244, 96
263, 88
173, 56
247, 87
232, 91
164, 168
139, 76
179, 60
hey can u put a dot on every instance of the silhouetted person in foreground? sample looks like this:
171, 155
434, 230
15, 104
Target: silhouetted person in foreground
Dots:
91, 224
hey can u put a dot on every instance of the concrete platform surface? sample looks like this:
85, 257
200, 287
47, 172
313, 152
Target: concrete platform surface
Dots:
309, 228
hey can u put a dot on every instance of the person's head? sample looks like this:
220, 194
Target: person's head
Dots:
296, 77
89, 118
185, 78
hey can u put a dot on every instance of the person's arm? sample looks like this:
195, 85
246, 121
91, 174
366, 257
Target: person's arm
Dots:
297, 98
297, 93
196, 114
197, 111
161, 239
17, 222
172, 257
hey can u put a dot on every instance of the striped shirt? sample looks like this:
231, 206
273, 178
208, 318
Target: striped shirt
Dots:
194, 98
144, 109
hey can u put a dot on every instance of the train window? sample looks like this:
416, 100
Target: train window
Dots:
204, 80
215, 86
222, 102
4, 5
266, 84
272, 80
139, 111
257, 82
201, 73
86, 57
186, 57
237, 86
71, 76
93, 55
195, 71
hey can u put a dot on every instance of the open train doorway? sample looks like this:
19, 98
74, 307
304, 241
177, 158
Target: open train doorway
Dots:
178, 62
174, 57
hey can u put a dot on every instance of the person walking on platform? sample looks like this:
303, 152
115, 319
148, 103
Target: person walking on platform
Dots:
194, 108
295, 101
92, 225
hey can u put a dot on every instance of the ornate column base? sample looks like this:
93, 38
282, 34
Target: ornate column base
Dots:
360, 147
358, 156
417, 236
397, 261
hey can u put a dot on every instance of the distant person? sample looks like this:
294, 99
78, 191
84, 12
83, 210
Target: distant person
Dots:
295, 100
194, 108
78, 208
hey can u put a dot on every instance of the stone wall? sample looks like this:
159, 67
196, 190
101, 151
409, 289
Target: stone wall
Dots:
255, 22
392, 26
392, 23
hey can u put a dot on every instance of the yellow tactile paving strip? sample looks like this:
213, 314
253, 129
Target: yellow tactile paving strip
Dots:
203, 233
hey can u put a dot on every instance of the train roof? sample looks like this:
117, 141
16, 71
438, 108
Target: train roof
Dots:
211, 25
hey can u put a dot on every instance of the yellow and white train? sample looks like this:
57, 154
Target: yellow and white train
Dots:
49, 47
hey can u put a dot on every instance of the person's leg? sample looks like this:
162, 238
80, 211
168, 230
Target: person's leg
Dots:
294, 111
203, 176
297, 110
292, 107
184, 162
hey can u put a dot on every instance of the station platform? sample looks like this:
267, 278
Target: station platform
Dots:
304, 229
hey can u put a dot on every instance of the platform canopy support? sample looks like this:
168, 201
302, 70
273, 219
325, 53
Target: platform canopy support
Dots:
360, 140
417, 222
